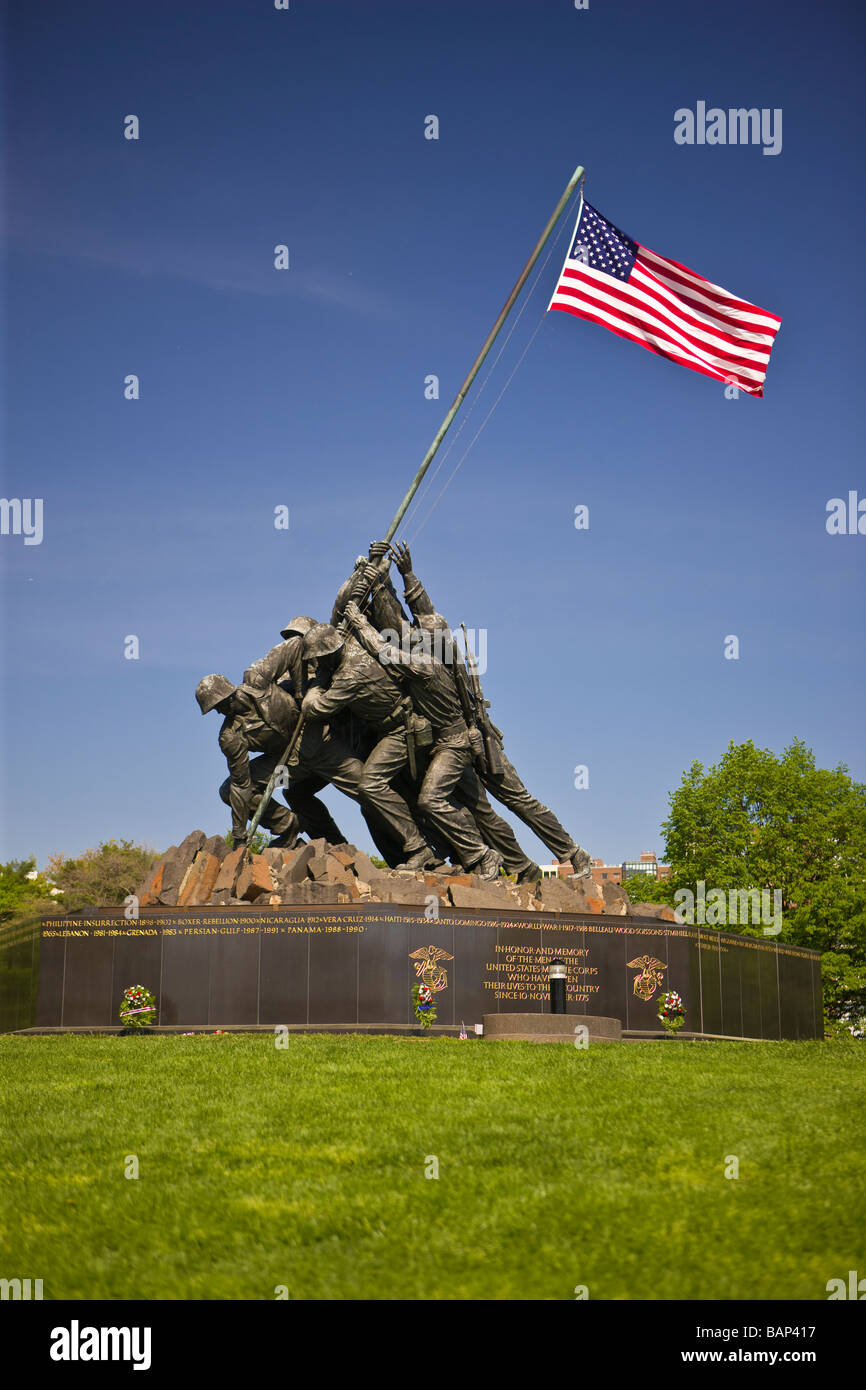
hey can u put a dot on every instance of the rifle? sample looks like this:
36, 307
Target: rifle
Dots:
492, 750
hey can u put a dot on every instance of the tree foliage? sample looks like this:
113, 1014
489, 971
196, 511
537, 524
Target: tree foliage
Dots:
101, 877
646, 888
23, 891
756, 820
260, 841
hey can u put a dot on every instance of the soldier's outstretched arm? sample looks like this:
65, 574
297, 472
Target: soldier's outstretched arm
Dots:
414, 593
392, 658
386, 610
369, 637
353, 588
396, 660
323, 703
275, 664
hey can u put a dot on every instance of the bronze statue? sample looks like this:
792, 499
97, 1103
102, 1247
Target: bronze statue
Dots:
500, 777
260, 718
251, 721
401, 730
435, 698
348, 679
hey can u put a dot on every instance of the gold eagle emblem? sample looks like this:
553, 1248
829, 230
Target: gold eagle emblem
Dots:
649, 980
427, 966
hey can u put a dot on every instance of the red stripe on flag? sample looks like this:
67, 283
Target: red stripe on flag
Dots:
726, 346
697, 282
652, 284
666, 351
643, 321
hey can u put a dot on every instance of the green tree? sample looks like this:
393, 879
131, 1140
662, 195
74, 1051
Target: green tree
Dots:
101, 877
23, 891
646, 888
755, 820
25, 898
260, 841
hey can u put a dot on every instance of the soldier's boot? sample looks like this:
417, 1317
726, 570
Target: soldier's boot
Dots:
531, 874
580, 862
283, 825
423, 858
287, 840
488, 865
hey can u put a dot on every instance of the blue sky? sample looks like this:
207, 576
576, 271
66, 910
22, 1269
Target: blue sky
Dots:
306, 387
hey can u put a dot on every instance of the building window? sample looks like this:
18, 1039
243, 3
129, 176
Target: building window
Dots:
631, 870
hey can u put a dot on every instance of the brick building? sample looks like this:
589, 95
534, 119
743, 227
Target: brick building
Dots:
613, 873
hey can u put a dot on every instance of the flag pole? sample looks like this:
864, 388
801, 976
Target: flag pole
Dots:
491, 338
428, 459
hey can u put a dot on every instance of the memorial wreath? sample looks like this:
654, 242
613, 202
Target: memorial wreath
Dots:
138, 1007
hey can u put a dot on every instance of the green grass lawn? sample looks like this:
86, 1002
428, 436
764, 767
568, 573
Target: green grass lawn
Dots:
305, 1167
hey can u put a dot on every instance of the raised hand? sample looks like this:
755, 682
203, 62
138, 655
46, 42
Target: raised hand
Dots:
402, 557
352, 614
372, 574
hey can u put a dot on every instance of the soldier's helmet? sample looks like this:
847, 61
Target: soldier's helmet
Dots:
212, 690
297, 627
321, 640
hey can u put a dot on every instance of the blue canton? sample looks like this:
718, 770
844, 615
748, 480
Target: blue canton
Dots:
601, 245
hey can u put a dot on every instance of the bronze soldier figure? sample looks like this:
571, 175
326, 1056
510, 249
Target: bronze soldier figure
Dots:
371, 579
252, 721
347, 678
434, 696
387, 615
323, 756
260, 718
285, 661
503, 783
369, 585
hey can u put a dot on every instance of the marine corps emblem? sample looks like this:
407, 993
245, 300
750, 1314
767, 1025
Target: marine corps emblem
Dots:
649, 980
427, 966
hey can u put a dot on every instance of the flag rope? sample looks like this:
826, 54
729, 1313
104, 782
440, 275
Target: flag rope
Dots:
460, 461
417, 509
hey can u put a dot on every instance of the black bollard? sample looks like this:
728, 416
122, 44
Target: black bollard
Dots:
557, 971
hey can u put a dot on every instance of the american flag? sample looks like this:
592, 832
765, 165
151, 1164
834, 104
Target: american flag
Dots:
612, 280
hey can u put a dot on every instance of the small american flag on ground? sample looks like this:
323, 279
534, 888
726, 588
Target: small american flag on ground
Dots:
611, 280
